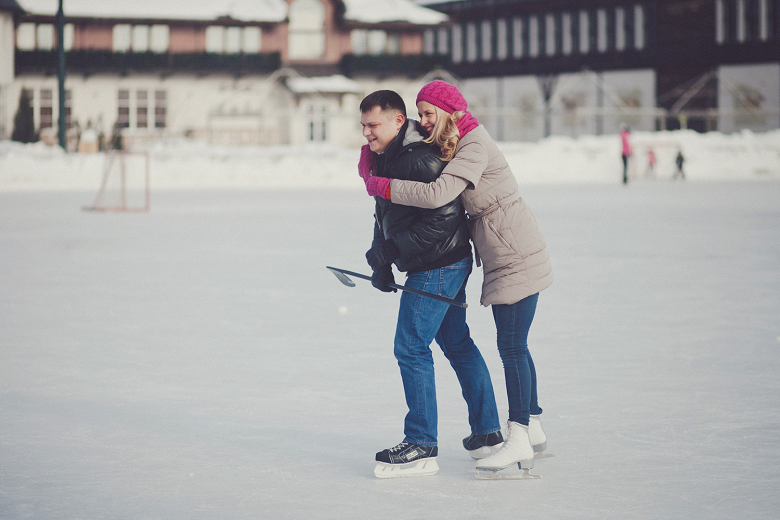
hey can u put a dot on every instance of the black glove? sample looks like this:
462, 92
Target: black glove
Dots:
382, 278
382, 254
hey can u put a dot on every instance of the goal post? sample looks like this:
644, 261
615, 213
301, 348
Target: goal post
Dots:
125, 182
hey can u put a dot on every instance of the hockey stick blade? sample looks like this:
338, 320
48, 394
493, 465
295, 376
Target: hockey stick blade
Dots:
341, 274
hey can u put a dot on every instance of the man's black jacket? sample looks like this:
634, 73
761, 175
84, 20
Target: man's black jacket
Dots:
427, 238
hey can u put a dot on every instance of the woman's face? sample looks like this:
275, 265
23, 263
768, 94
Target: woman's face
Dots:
427, 113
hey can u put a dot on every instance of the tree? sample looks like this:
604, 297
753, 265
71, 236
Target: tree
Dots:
24, 125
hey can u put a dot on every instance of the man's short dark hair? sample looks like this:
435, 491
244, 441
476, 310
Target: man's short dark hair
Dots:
385, 100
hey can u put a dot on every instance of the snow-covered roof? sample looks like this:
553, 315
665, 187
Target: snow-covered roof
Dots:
337, 84
244, 10
361, 11
379, 11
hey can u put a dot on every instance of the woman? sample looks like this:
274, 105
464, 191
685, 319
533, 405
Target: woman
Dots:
507, 240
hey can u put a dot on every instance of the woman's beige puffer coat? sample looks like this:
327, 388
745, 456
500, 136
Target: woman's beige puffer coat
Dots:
507, 239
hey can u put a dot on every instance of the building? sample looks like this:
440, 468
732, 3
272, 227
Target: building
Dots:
10, 14
535, 67
293, 71
246, 71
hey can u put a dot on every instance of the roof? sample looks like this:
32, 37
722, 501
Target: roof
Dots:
361, 11
10, 5
242, 10
382, 11
337, 84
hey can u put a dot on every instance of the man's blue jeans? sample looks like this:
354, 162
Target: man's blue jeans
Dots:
512, 325
420, 320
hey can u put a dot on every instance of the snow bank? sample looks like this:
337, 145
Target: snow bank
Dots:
187, 164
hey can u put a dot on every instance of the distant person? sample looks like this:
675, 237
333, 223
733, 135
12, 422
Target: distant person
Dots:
625, 132
679, 162
432, 246
507, 240
651, 160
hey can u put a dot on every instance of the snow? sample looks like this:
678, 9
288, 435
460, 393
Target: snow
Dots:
186, 164
325, 84
366, 11
245, 10
373, 11
199, 361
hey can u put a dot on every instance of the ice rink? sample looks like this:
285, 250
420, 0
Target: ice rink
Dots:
199, 362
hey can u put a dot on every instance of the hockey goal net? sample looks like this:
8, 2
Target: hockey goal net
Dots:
125, 183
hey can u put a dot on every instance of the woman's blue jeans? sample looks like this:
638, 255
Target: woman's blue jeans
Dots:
512, 325
420, 321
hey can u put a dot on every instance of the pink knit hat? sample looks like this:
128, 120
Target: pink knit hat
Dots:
443, 95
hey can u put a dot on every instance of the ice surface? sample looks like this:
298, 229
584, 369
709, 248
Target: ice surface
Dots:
199, 362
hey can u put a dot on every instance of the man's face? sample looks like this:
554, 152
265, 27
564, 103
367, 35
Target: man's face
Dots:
380, 127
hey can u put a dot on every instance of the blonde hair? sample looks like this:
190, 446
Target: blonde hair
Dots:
445, 133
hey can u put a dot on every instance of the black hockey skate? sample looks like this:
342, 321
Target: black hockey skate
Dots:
481, 446
406, 460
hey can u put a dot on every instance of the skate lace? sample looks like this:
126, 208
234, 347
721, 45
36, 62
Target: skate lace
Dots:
399, 447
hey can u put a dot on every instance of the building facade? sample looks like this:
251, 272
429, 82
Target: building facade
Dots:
293, 71
262, 75
537, 67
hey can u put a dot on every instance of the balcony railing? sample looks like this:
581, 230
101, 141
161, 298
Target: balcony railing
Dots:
92, 62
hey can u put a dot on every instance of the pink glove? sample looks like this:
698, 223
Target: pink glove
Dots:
366, 163
378, 187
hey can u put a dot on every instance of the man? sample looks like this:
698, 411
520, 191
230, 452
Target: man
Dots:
432, 246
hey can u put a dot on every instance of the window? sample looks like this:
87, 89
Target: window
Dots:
251, 41
741, 21
141, 109
639, 27
533, 36
567, 42
122, 37
376, 42
123, 109
160, 106
46, 109
487, 43
517, 38
140, 38
584, 32
429, 45
232, 40
763, 20
159, 38
215, 39
471, 42
502, 44
620, 29
601, 30
68, 35
25, 37
317, 123
68, 102
442, 43
457, 43
45, 36
359, 41
549, 35
306, 30
393, 44
720, 22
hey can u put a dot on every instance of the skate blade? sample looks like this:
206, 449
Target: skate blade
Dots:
543, 455
495, 475
418, 468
